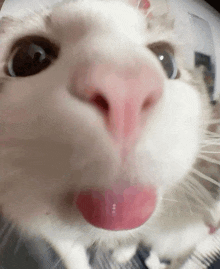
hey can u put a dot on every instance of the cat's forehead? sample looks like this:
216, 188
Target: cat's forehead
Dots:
82, 17
97, 13
97, 18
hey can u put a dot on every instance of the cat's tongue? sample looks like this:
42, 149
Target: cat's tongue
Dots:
117, 210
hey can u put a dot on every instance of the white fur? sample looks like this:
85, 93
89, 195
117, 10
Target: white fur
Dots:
153, 262
124, 254
55, 142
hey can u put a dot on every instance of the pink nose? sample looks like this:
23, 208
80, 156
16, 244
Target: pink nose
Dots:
125, 98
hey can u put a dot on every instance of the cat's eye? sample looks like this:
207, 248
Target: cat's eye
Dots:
169, 64
166, 57
30, 56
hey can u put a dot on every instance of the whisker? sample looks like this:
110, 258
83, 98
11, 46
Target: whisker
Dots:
138, 3
201, 197
170, 200
57, 263
18, 244
150, 10
188, 203
4, 228
214, 121
211, 138
208, 159
203, 176
212, 133
210, 143
6, 236
210, 152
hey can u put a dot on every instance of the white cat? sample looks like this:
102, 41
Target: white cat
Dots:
101, 125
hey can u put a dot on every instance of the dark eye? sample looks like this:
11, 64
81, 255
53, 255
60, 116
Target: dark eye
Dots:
168, 62
165, 54
30, 56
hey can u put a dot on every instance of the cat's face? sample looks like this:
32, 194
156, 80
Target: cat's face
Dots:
104, 105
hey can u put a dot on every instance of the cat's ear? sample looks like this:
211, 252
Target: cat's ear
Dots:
141, 4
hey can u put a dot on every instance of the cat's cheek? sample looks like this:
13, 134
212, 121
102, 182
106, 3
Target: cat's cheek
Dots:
18, 106
162, 156
14, 116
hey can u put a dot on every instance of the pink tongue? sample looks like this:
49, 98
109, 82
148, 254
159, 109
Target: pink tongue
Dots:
113, 210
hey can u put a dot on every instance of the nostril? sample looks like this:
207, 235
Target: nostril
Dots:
146, 104
151, 100
101, 103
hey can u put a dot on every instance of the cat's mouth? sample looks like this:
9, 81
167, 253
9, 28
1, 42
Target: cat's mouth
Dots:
118, 208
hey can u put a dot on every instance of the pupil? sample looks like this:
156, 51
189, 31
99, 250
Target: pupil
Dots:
167, 63
37, 57
36, 53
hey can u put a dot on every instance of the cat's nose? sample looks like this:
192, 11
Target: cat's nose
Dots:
125, 98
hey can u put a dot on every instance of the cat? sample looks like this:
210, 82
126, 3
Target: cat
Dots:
102, 127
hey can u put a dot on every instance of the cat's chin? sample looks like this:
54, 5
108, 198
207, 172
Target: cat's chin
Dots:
118, 208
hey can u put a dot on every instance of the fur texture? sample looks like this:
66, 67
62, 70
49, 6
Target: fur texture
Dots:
54, 142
